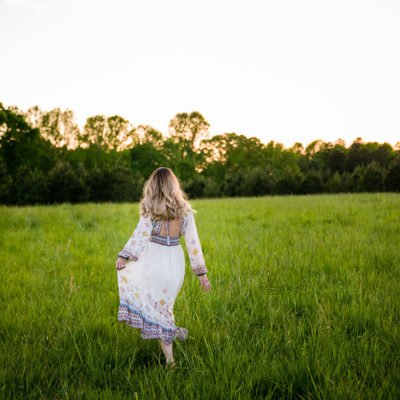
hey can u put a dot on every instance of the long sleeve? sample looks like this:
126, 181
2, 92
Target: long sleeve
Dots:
138, 240
193, 246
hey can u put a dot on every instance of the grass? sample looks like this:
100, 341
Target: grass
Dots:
304, 303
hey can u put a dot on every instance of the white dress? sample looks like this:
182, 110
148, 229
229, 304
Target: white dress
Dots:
153, 276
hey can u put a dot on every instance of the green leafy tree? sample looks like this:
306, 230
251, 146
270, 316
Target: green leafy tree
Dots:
6, 184
145, 158
67, 183
358, 155
32, 187
257, 182
56, 126
393, 175
289, 181
194, 187
22, 145
335, 183
212, 188
189, 129
312, 182
369, 178
383, 155
112, 133
147, 134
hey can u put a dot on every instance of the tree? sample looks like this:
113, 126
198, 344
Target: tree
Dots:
147, 134
383, 155
313, 147
145, 158
56, 126
67, 183
347, 182
32, 187
194, 187
312, 182
20, 144
235, 151
335, 184
5, 184
212, 188
257, 182
109, 133
336, 159
393, 175
358, 154
94, 132
232, 183
119, 134
289, 181
189, 130
373, 177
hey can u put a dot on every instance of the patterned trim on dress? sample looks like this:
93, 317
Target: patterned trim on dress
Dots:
125, 254
173, 241
200, 270
183, 221
149, 329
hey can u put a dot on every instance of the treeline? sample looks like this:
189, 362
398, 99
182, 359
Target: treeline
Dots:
45, 158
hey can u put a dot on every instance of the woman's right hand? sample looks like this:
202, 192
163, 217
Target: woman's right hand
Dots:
121, 263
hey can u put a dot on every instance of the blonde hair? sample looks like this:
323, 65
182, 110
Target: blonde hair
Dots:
163, 197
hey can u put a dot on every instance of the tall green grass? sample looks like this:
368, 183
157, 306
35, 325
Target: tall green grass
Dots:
304, 303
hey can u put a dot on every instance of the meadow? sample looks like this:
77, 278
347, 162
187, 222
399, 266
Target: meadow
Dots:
304, 303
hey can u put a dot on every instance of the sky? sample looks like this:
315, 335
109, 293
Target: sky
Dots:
283, 70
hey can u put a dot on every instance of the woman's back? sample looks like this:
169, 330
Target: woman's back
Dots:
172, 228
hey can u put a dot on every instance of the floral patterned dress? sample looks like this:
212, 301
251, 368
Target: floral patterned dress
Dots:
154, 274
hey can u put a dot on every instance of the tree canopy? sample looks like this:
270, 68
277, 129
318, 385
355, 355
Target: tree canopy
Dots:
46, 158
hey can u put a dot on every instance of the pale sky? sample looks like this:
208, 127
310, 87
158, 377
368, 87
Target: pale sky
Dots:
283, 70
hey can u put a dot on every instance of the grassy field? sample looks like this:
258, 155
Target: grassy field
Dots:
305, 303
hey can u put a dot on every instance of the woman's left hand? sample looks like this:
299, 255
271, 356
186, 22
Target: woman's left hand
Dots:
204, 283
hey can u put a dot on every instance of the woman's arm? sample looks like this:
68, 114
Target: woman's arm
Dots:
138, 240
193, 247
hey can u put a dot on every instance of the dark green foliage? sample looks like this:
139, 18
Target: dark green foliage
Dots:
370, 178
258, 181
67, 183
393, 175
112, 160
146, 158
347, 182
5, 183
126, 184
289, 182
32, 187
336, 161
21, 145
312, 182
335, 184
232, 183
373, 177
212, 188
194, 187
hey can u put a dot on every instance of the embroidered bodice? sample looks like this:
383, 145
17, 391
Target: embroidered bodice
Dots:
158, 231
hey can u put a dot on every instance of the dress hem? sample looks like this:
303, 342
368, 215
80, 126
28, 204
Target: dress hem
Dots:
150, 329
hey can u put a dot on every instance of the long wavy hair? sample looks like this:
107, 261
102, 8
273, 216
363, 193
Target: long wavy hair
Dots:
163, 197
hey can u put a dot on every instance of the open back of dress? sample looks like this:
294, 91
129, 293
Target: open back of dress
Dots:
171, 228
167, 232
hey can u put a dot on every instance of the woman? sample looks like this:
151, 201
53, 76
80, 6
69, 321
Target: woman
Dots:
151, 266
